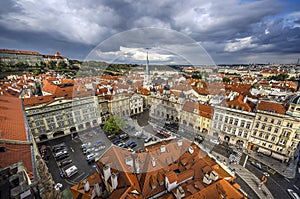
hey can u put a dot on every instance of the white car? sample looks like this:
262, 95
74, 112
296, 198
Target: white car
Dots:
90, 157
100, 148
214, 141
293, 194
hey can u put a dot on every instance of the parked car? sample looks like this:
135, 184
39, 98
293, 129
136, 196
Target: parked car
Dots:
260, 154
85, 145
130, 142
198, 139
215, 141
231, 151
111, 137
116, 141
58, 148
91, 157
65, 162
148, 139
98, 143
133, 145
60, 153
256, 164
138, 134
100, 148
89, 150
293, 194
121, 144
124, 136
62, 156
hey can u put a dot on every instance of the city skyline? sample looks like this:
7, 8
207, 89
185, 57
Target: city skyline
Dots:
230, 31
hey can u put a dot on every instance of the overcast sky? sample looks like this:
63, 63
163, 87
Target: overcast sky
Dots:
230, 31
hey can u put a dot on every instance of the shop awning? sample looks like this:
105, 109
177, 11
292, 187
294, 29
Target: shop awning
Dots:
264, 151
278, 156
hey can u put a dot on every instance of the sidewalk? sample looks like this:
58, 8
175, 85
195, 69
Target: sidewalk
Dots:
248, 177
282, 168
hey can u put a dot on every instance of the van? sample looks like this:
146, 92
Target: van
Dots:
71, 171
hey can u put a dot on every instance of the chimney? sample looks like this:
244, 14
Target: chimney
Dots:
206, 179
214, 176
180, 193
86, 185
179, 142
231, 97
163, 148
245, 99
97, 189
153, 162
137, 166
114, 181
107, 172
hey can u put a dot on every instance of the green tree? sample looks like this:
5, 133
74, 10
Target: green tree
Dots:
36, 72
226, 79
292, 79
196, 75
113, 125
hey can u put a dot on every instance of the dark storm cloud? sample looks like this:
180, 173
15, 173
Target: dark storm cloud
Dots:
229, 30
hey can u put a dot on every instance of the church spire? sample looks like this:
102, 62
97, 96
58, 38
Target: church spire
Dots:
147, 73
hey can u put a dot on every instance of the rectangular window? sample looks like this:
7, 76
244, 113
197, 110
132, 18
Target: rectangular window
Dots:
236, 121
248, 125
242, 123
273, 138
267, 136
240, 132
254, 133
226, 119
279, 122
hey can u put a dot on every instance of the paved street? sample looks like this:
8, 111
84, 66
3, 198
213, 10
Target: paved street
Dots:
276, 183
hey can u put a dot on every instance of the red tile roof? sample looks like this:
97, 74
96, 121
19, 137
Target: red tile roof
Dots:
144, 91
25, 52
33, 101
239, 103
16, 153
271, 107
12, 123
203, 110
12, 128
177, 163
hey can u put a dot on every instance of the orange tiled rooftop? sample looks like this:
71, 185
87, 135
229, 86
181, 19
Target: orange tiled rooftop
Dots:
161, 170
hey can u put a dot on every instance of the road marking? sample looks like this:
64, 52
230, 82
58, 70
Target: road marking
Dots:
287, 179
75, 179
296, 187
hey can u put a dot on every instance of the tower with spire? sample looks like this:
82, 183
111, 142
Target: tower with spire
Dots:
147, 73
